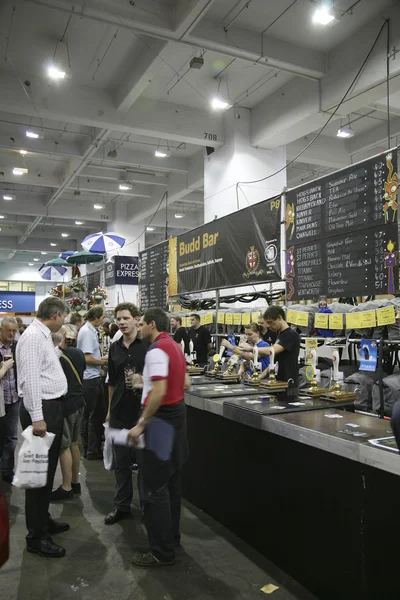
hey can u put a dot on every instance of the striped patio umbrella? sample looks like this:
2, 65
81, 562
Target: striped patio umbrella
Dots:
103, 242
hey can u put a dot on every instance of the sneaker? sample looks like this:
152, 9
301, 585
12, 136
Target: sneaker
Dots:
149, 560
76, 488
61, 494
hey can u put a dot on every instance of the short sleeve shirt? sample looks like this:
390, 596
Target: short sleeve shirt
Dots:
288, 359
201, 338
165, 360
88, 342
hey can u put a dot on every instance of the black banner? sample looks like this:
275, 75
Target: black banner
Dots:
153, 277
241, 248
342, 232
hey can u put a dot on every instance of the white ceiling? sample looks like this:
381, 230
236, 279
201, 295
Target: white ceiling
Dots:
130, 90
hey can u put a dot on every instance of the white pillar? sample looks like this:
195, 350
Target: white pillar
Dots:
239, 161
134, 236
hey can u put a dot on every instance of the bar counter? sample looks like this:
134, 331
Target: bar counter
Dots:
299, 481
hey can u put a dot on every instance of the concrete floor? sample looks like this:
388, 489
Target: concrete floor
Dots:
212, 563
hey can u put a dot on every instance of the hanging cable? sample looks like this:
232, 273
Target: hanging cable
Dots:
388, 80
150, 222
323, 127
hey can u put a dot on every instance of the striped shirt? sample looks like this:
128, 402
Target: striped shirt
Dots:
40, 375
8, 382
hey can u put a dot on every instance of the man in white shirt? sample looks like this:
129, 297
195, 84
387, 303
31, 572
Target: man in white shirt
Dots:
95, 410
42, 386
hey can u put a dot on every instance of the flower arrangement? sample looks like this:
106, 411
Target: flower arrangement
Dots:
98, 293
76, 303
78, 286
56, 291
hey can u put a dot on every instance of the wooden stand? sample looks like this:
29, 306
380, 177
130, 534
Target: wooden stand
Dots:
192, 370
336, 394
272, 384
215, 372
229, 375
314, 391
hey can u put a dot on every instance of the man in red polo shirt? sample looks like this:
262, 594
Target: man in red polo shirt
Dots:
162, 428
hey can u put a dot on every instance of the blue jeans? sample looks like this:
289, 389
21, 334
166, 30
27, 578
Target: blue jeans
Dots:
9, 437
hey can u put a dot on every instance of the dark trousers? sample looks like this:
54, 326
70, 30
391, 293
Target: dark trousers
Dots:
124, 458
93, 418
9, 437
37, 500
161, 512
396, 422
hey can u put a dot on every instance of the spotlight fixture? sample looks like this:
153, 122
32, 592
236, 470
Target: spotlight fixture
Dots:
162, 153
65, 235
23, 152
56, 73
125, 186
112, 154
19, 171
30, 264
218, 103
53, 244
30, 133
79, 222
36, 259
345, 132
179, 215
323, 15
43, 253
8, 197
2, 217
98, 206
149, 228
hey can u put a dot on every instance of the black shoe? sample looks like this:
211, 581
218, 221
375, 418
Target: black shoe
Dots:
94, 457
76, 488
8, 477
149, 560
46, 548
115, 516
135, 468
61, 494
57, 526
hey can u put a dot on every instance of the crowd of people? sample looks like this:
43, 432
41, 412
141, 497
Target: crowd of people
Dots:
68, 375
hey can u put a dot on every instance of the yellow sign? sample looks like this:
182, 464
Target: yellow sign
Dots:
386, 316
229, 319
361, 320
322, 321
237, 319
208, 319
297, 318
336, 321
202, 319
246, 319
221, 318
254, 317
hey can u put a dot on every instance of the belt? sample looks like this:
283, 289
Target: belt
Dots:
60, 399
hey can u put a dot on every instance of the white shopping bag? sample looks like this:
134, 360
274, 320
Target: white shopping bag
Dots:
108, 454
33, 460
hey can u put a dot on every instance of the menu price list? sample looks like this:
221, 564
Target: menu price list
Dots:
353, 199
153, 276
362, 263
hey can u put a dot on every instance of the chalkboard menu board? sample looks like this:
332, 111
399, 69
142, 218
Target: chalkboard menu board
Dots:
153, 277
342, 232
93, 280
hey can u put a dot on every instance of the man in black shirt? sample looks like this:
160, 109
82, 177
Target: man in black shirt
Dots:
73, 363
286, 347
267, 334
179, 333
128, 352
201, 338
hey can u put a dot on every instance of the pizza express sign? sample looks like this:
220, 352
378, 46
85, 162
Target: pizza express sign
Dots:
123, 271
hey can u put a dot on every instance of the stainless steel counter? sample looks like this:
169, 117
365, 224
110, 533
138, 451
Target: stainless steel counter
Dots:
316, 428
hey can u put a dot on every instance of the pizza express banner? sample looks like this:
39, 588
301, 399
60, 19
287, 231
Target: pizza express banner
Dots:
237, 249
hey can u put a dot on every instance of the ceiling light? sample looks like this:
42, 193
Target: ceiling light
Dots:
179, 215
55, 73
23, 152
98, 206
323, 14
53, 244
30, 264
345, 132
219, 104
79, 222
19, 171
43, 253
125, 186
8, 197
149, 228
36, 259
33, 134
2, 217
65, 235
112, 154
161, 153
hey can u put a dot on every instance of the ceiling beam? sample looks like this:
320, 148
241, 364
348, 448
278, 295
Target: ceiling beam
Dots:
374, 137
324, 152
100, 186
37, 147
120, 174
188, 14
